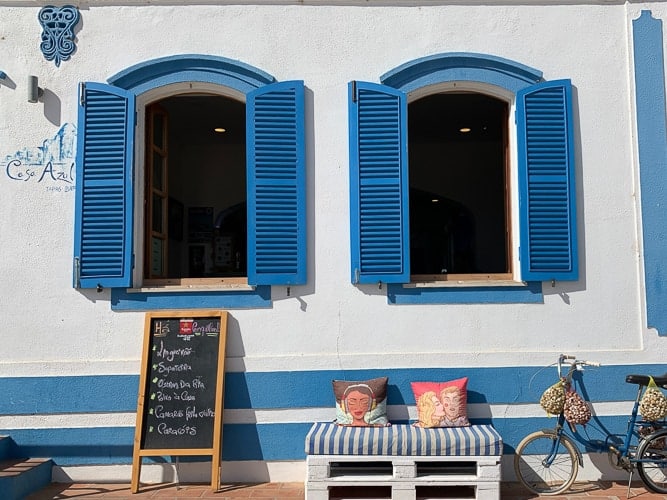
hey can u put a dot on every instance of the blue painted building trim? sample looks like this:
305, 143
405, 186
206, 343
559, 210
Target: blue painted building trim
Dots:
124, 300
191, 68
461, 66
288, 390
242, 442
311, 389
652, 141
529, 294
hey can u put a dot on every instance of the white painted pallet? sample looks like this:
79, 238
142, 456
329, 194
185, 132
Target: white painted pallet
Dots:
407, 477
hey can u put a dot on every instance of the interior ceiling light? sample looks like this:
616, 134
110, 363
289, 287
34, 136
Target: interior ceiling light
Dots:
464, 130
219, 130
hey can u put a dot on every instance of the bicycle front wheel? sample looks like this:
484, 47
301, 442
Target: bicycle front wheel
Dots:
652, 461
545, 463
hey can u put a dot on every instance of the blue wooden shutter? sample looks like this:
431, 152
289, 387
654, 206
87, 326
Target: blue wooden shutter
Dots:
104, 195
546, 182
380, 244
276, 185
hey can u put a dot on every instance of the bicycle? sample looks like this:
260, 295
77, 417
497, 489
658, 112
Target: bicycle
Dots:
547, 461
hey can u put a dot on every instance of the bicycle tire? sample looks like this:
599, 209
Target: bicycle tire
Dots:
531, 470
652, 461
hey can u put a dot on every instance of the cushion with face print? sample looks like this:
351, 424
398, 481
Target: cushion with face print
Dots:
441, 404
361, 403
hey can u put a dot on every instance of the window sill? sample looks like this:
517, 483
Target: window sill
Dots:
471, 292
232, 296
229, 287
464, 283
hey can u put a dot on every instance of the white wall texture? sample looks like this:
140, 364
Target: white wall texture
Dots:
329, 322
52, 329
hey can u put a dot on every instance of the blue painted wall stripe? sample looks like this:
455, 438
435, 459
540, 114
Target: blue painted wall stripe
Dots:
241, 442
309, 389
652, 139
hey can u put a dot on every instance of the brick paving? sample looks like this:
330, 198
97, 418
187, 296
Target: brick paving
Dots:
295, 491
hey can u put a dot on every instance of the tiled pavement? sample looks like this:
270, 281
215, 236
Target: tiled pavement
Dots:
295, 491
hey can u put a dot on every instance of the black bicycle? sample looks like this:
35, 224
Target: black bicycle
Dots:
547, 461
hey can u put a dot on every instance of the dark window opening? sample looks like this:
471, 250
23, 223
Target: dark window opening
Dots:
195, 191
459, 210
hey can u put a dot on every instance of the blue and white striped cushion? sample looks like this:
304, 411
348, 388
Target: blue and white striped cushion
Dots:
327, 438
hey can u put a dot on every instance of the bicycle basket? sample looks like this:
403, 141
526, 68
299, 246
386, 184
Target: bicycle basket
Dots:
553, 398
653, 405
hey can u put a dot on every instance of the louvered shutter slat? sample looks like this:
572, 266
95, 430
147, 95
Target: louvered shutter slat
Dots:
378, 196
548, 221
276, 185
103, 226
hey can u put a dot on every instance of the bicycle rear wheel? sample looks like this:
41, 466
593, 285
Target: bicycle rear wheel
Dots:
545, 463
652, 461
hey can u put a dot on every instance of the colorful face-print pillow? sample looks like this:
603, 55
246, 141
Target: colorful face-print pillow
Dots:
441, 404
361, 403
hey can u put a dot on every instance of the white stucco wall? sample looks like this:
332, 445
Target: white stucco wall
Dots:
53, 329
330, 323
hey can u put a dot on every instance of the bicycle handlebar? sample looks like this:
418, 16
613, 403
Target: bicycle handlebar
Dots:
574, 362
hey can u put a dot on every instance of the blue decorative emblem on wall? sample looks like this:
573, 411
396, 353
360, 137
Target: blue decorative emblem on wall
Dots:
58, 32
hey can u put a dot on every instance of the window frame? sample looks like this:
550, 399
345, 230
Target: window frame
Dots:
513, 82
511, 193
146, 82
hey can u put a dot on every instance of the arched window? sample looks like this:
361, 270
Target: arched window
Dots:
173, 203
433, 169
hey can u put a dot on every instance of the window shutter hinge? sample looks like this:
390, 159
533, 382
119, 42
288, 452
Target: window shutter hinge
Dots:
82, 90
356, 277
77, 273
354, 91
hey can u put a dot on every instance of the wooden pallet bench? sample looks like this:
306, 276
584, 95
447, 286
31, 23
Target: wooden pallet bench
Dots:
403, 462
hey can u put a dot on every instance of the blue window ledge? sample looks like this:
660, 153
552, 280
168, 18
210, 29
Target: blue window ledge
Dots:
531, 293
122, 300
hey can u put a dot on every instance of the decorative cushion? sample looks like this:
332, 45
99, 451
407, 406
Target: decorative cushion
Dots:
327, 438
441, 404
361, 403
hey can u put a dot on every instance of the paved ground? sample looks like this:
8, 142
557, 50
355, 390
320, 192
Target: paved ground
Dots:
295, 491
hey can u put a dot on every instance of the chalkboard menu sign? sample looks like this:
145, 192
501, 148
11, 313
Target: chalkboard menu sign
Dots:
179, 411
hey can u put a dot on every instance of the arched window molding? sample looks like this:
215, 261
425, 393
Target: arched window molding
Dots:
461, 67
191, 68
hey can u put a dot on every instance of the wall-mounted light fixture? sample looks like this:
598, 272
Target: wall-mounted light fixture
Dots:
34, 91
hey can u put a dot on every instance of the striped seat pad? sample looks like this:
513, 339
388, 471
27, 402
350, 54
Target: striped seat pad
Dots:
327, 438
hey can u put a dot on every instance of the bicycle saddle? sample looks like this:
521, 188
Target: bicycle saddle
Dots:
660, 380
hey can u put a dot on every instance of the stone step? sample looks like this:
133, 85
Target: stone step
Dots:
21, 477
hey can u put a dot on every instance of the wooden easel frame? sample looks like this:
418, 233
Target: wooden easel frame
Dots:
216, 450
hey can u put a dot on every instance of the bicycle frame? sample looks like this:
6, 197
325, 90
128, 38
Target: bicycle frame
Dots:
547, 461
622, 450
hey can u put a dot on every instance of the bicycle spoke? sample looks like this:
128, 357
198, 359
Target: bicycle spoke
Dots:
543, 469
652, 462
